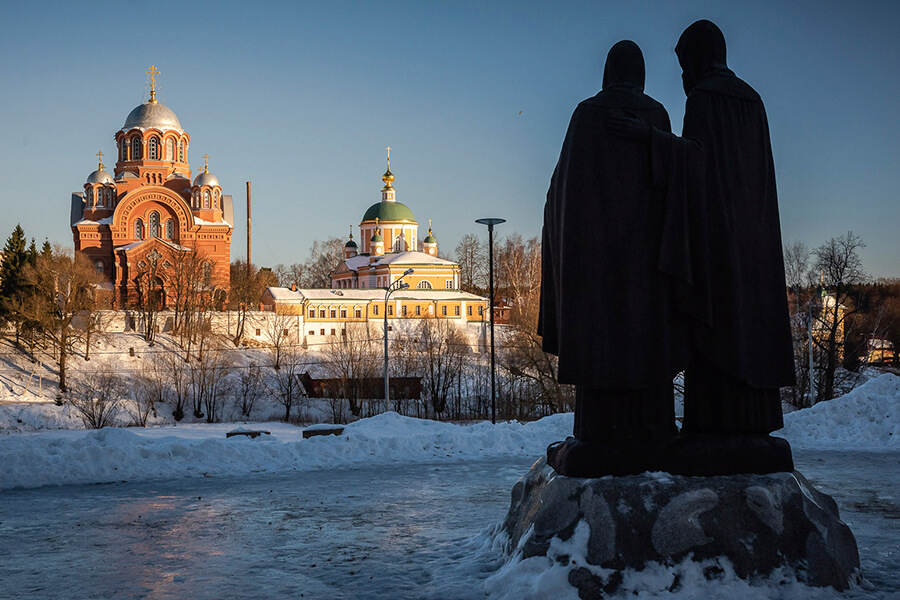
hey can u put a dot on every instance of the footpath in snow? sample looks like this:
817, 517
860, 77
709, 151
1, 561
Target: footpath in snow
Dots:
868, 418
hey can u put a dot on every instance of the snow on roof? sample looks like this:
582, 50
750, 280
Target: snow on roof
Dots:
202, 222
355, 263
287, 295
134, 245
103, 221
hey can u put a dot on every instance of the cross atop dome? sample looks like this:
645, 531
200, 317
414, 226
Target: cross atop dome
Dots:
206, 163
100, 160
152, 72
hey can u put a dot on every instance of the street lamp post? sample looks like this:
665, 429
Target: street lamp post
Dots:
490, 222
393, 287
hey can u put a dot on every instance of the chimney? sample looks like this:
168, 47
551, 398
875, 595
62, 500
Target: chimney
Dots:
293, 287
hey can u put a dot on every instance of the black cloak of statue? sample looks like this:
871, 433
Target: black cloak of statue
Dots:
606, 308
730, 239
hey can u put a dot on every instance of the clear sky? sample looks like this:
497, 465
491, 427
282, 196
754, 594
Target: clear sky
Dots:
301, 98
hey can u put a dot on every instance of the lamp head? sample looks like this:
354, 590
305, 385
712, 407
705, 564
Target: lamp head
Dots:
407, 272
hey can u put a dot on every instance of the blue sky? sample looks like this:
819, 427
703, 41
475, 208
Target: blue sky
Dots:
301, 98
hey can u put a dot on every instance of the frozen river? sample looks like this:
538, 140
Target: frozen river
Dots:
414, 531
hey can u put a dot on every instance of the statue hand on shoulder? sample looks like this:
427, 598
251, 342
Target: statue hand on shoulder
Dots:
629, 126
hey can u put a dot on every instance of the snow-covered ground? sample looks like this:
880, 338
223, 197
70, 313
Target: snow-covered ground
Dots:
848, 447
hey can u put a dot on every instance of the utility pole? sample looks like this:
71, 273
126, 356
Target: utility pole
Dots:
490, 222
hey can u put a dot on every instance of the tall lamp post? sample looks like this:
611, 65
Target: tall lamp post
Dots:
490, 222
393, 287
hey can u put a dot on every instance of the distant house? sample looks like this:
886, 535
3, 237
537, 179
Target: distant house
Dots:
879, 351
317, 316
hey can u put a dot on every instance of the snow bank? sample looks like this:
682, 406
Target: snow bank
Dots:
115, 454
865, 418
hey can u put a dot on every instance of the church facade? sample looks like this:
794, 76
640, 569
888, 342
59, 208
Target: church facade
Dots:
390, 247
146, 226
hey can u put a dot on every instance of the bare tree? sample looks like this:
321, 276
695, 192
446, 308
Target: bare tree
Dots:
97, 398
249, 389
350, 359
288, 275
208, 368
288, 388
471, 255
444, 348
323, 258
534, 371
151, 388
60, 285
278, 334
150, 293
800, 303
247, 285
840, 268
180, 380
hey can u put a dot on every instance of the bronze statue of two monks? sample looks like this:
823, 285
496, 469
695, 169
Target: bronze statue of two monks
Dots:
662, 254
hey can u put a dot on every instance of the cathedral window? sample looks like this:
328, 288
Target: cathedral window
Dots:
216, 199
206, 199
123, 150
154, 224
98, 266
170, 229
181, 150
138, 230
153, 149
170, 149
90, 197
207, 272
135, 148
423, 285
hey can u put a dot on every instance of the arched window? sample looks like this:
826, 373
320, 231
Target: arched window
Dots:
216, 199
206, 199
207, 272
90, 197
170, 229
135, 148
181, 150
170, 149
98, 266
123, 149
153, 149
154, 224
423, 285
138, 230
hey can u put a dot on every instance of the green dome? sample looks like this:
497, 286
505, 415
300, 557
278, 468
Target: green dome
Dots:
351, 244
430, 240
377, 238
389, 211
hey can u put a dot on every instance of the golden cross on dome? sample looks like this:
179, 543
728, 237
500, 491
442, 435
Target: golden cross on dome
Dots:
351, 232
152, 72
206, 161
100, 160
389, 157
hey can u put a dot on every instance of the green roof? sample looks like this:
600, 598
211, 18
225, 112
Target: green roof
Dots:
430, 240
389, 211
350, 244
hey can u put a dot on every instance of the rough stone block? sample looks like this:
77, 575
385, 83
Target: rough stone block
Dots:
758, 522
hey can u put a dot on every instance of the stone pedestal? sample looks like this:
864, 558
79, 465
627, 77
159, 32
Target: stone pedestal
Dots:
758, 522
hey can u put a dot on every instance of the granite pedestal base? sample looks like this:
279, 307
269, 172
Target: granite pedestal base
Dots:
758, 522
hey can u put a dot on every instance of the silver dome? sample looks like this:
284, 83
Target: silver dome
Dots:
150, 115
206, 178
99, 176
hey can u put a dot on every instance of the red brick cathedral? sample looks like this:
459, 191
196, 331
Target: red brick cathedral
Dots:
142, 225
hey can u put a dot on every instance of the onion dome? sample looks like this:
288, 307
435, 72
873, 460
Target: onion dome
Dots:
206, 178
388, 179
430, 239
377, 237
100, 175
350, 243
151, 114
389, 211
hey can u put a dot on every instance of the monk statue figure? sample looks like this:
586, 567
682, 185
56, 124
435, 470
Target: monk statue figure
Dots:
607, 309
720, 253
